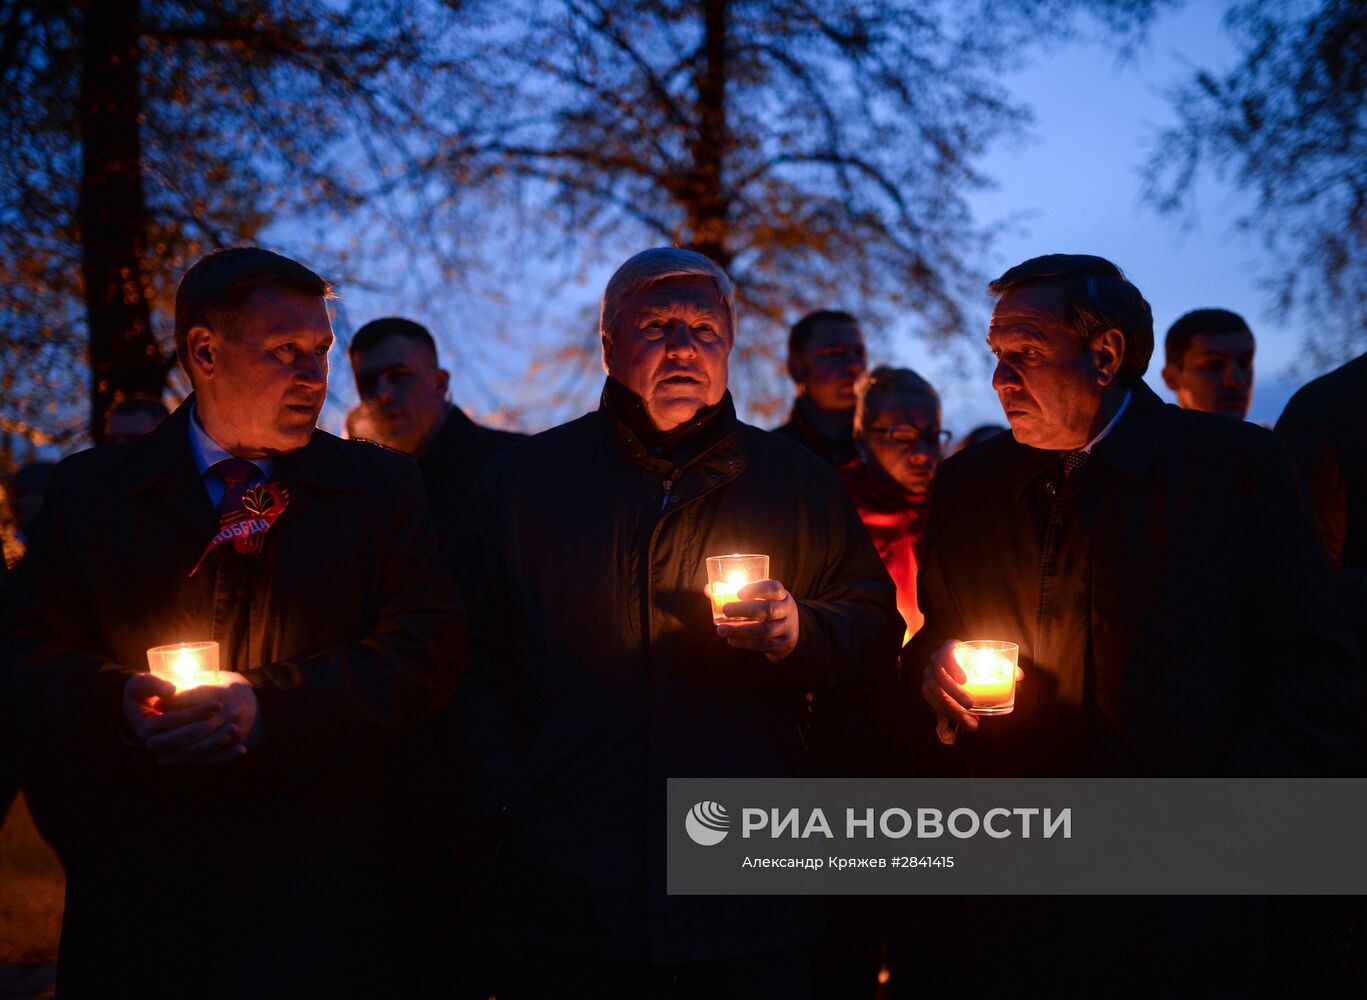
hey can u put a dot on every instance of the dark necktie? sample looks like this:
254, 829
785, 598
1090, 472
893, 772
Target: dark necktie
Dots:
1074, 460
236, 473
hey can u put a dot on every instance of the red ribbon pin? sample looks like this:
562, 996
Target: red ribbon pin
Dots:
246, 527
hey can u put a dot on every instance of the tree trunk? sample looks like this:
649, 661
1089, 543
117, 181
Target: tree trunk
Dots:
707, 208
124, 356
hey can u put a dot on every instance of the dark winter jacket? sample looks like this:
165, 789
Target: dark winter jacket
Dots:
596, 672
1172, 613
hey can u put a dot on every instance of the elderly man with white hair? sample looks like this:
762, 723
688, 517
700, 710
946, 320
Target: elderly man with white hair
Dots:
596, 671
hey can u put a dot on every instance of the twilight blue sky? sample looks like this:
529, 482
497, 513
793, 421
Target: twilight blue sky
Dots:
1077, 179
1072, 185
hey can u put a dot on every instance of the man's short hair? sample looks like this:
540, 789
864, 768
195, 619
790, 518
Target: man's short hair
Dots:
1096, 297
649, 268
1193, 324
377, 331
215, 290
801, 333
884, 386
138, 405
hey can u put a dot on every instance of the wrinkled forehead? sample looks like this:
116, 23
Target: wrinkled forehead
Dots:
686, 294
1034, 312
271, 313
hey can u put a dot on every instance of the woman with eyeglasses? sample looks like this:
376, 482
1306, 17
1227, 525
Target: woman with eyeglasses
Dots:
898, 439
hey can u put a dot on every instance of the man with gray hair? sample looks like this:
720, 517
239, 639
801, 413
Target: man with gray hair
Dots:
597, 670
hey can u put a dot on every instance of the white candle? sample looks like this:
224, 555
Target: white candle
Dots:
990, 668
726, 575
185, 664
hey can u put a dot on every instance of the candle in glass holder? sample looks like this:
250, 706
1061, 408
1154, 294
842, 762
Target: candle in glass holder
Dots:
185, 664
727, 574
991, 669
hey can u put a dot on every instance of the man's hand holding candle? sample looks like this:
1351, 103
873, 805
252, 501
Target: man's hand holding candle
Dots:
942, 688
146, 708
212, 724
772, 622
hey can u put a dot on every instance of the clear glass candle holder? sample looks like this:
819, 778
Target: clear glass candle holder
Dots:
185, 664
727, 574
991, 669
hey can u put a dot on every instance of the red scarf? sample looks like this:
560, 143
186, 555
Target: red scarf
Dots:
895, 520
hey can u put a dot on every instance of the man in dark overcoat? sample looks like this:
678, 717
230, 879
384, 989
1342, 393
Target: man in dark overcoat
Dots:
597, 671
1172, 614
1133, 551
223, 839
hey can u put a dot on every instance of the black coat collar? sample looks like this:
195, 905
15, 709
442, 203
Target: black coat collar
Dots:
448, 443
661, 453
165, 453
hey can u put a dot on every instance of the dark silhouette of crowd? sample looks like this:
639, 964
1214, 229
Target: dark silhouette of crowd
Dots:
457, 665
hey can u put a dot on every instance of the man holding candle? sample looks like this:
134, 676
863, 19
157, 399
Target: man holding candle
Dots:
226, 836
597, 671
1108, 536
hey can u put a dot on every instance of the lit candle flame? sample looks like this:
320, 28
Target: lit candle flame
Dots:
989, 679
984, 666
185, 667
726, 591
727, 575
185, 664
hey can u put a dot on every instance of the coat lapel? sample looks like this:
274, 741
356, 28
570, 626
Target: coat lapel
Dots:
162, 466
315, 467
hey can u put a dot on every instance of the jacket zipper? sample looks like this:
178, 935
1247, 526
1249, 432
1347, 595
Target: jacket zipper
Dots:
654, 536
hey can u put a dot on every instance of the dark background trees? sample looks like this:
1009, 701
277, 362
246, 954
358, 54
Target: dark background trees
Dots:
826, 153
140, 133
821, 151
1288, 123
